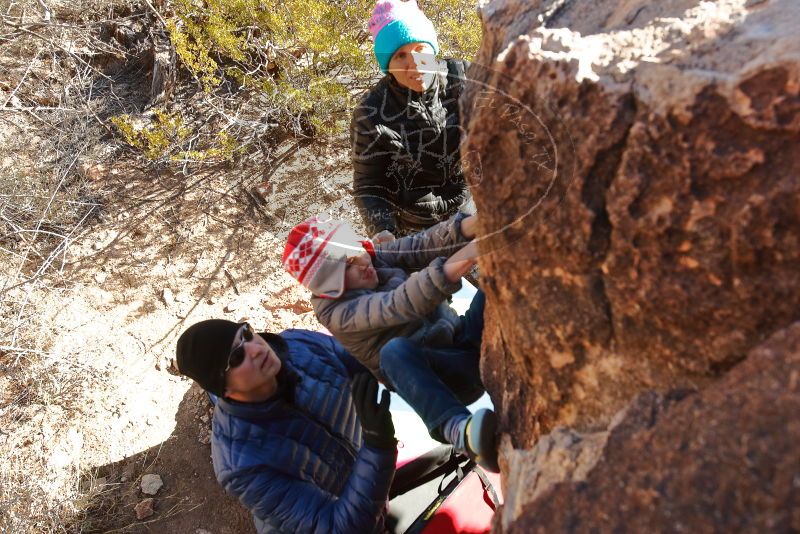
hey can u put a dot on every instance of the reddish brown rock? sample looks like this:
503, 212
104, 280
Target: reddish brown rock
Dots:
725, 459
637, 170
144, 509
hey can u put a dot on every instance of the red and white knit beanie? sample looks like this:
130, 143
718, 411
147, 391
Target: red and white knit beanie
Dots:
316, 254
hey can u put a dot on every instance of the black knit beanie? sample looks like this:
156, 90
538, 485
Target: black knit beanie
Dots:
203, 350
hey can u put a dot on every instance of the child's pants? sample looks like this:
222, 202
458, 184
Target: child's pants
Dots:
438, 383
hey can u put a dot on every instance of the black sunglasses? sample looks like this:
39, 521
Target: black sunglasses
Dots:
236, 357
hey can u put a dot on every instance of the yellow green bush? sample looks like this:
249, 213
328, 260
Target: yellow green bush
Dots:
308, 56
305, 60
155, 139
458, 26
162, 138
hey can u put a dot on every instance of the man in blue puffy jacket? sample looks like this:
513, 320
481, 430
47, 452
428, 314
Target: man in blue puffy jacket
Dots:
297, 434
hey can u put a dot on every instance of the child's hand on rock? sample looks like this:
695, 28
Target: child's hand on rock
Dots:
469, 226
384, 236
461, 262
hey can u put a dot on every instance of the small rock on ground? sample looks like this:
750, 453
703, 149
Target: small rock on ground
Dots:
144, 509
151, 484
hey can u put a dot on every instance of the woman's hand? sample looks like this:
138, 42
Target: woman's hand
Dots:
384, 236
469, 226
461, 262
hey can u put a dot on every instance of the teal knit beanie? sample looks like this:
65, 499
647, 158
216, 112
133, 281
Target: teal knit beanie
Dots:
395, 23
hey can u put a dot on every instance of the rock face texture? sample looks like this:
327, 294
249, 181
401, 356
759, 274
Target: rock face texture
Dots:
636, 166
637, 169
726, 459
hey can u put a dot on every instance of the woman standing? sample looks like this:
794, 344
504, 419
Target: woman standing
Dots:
405, 131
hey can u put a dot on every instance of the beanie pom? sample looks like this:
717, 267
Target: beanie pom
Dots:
395, 23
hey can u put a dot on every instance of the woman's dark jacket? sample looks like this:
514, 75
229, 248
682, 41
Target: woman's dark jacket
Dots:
406, 164
297, 461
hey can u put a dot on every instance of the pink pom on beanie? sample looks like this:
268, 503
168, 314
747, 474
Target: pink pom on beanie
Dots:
387, 11
395, 23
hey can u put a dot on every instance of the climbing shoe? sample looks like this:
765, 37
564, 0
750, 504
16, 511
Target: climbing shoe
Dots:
480, 439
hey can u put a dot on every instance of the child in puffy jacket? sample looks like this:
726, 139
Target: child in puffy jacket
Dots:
386, 305
441, 326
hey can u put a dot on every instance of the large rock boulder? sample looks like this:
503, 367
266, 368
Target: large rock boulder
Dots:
726, 459
636, 165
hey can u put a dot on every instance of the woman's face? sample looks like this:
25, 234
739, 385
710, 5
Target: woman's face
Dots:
413, 66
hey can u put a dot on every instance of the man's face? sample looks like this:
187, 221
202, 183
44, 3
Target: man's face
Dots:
254, 379
413, 66
359, 273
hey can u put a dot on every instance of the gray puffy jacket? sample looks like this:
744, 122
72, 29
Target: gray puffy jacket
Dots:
364, 320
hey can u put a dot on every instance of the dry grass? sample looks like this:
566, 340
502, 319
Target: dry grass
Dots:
40, 469
66, 70
51, 99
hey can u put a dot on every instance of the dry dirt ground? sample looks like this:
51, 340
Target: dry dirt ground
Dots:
165, 253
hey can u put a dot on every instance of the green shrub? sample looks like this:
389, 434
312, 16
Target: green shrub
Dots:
458, 26
307, 56
155, 139
305, 61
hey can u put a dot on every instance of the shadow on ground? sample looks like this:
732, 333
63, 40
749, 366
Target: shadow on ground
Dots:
184, 463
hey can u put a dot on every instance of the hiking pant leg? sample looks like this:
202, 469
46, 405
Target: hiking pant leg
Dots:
472, 331
436, 383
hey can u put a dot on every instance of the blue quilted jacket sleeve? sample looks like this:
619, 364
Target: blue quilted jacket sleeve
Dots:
352, 365
285, 504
